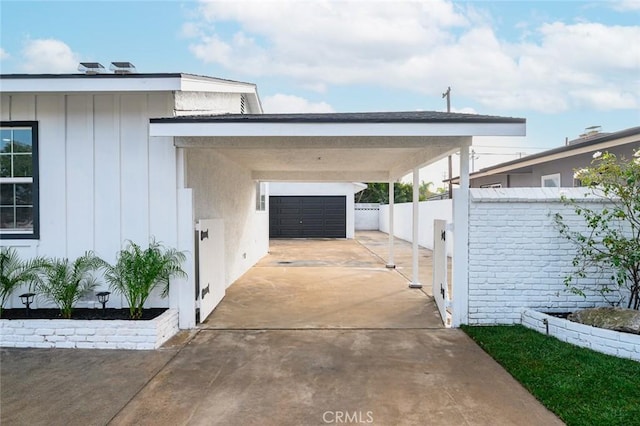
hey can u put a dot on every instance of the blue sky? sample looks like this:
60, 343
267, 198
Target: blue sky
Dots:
563, 65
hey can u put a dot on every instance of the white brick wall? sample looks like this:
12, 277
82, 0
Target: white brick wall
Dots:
517, 258
89, 334
623, 345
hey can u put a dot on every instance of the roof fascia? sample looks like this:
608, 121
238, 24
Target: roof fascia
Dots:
265, 129
130, 83
73, 85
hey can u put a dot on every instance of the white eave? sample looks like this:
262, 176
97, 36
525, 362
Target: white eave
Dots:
70, 83
252, 129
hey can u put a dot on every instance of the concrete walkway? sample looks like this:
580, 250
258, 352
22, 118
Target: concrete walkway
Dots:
330, 338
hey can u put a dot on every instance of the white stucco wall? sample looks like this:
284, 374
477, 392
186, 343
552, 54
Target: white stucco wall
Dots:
347, 189
225, 190
206, 103
102, 179
428, 211
367, 216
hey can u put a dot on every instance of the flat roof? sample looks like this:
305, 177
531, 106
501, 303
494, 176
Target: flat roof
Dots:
108, 75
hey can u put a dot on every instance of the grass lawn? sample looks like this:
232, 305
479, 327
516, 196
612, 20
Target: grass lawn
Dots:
580, 386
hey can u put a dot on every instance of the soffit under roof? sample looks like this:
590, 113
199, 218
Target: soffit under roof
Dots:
369, 147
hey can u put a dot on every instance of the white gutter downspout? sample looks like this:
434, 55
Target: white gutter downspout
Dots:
415, 282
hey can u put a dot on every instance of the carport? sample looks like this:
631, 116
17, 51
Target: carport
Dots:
346, 147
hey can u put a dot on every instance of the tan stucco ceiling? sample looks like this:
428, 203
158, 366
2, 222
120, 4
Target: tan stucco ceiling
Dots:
367, 159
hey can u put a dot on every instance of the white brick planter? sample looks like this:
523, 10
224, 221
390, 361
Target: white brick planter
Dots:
623, 345
89, 334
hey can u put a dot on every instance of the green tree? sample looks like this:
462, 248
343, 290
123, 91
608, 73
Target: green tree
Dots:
611, 243
402, 193
425, 190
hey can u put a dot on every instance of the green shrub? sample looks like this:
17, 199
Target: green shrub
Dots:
15, 272
64, 283
137, 272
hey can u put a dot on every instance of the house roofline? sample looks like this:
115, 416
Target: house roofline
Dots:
346, 117
540, 156
135, 82
118, 76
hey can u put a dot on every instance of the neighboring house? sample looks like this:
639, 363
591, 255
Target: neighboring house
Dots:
312, 210
556, 167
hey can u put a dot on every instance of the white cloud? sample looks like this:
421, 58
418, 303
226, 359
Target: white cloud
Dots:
48, 56
626, 5
3, 54
424, 46
281, 103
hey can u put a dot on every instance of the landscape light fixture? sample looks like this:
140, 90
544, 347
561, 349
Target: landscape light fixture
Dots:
103, 297
27, 299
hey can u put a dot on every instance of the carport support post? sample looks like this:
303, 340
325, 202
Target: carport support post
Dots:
391, 263
415, 282
460, 314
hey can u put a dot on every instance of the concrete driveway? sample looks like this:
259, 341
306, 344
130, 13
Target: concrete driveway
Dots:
319, 332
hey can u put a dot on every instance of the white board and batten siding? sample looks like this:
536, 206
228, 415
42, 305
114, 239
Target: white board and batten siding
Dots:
102, 179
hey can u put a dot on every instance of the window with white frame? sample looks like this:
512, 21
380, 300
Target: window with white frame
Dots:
261, 196
550, 181
19, 180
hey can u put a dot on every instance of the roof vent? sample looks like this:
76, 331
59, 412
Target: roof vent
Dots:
591, 131
91, 68
122, 68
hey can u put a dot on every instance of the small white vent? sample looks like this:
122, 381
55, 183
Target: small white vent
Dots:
242, 104
91, 68
122, 68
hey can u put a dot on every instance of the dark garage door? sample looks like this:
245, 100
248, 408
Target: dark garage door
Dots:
308, 217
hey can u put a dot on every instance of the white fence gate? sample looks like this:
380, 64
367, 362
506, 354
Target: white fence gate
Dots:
440, 270
210, 263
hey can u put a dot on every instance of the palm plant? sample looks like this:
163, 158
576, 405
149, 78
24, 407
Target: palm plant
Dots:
137, 272
65, 282
15, 272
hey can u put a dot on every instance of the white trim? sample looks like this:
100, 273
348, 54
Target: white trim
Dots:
262, 129
27, 179
71, 85
185, 83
